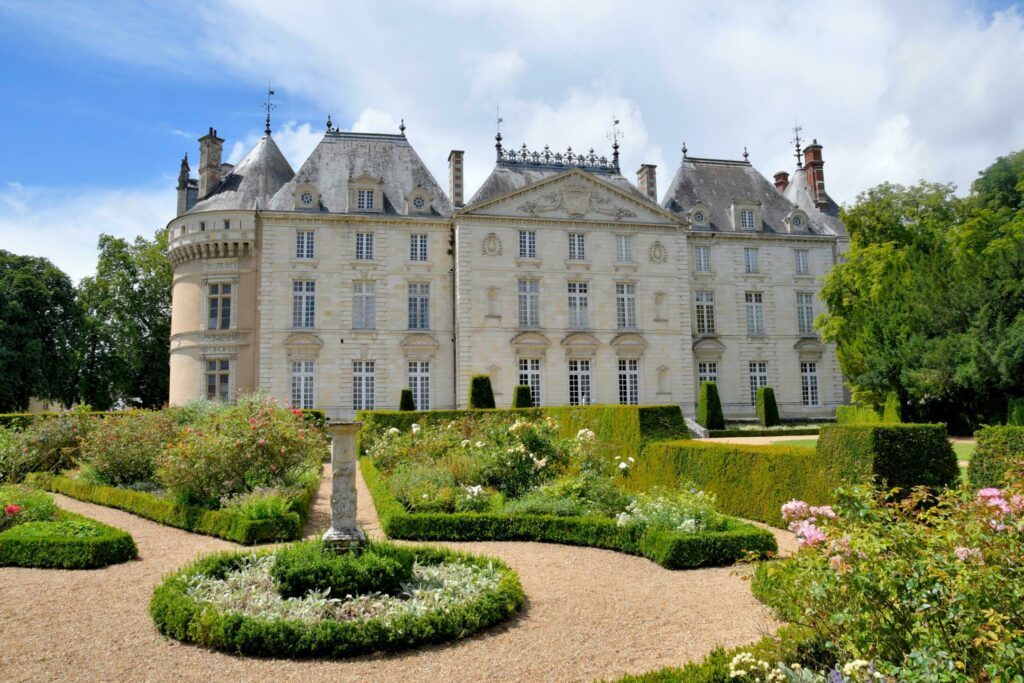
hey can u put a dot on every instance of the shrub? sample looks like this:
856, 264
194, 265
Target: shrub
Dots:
69, 541
896, 455
747, 481
893, 411
925, 592
481, 396
709, 407
767, 408
49, 445
998, 449
125, 449
856, 415
21, 504
521, 397
406, 401
577, 495
1015, 412
313, 566
687, 510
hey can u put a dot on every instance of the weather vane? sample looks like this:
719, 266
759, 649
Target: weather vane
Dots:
796, 141
614, 136
268, 105
498, 119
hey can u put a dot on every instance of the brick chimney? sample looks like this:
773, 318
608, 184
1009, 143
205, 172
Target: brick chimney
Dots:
455, 188
647, 180
781, 181
210, 149
815, 174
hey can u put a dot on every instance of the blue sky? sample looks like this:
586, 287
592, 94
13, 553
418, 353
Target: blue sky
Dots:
99, 101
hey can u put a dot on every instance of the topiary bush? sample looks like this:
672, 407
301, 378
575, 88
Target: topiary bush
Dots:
767, 408
521, 397
999, 449
709, 407
895, 455
406, 401
1015, 411
481, 395
851, 415
314, 566
893, 411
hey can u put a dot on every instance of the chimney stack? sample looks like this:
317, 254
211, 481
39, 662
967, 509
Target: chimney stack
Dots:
183, 186
781, 181
455, 189
647, 181
815, 174
210, 149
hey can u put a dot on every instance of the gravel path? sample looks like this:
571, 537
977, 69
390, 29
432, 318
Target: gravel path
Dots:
590, 613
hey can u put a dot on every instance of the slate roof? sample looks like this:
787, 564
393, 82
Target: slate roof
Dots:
717, 183
252, 182
343, 156
799, 192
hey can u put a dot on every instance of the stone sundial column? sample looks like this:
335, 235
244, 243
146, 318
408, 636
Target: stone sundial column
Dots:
343, 535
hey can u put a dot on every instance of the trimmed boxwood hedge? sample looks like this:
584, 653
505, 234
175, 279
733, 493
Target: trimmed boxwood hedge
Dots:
22, 420
857, 415
766, 407
998, 447
801, 431
220, 523
629, 428
180, 617
670, 550
709, 407
752, 482
52, 545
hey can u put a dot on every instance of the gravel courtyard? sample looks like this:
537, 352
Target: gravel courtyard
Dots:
590, 614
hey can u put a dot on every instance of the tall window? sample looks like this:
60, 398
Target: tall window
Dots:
417, 247
304, 244
529, 374
705, 312
746, 219
758, 378
579, 383
579, 313
802, 264
702, 259
364, 384
419, 306
527, 244
629, 381
219, 299
303, 303
750, 260
419, 383
755, 313
364, 246
707, 371
624, 248
227, 224
302, 384
625, 306
805, 313
364, 306
529, 303
809, 383
218, 380
364, 199
577, 246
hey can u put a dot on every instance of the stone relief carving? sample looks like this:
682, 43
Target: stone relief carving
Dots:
658, 254
492, 245
492, 302
577, 201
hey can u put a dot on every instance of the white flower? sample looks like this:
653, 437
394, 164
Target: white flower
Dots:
415, 428
631, 459
584, 435
479, 444
393, 430
474, 491
623, 465
465, 443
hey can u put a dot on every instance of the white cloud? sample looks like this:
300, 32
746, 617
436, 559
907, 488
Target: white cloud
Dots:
494, 72
64, 225
296, 141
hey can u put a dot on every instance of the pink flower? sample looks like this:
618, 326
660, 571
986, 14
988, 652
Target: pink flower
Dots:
837, 563
985, 494
296, 412
262, 442
795, 510
12, 509
823, 511
273, 468
809, 534
1017, 503
966, 554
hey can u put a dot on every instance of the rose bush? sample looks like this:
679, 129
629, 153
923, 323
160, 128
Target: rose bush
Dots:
124, 449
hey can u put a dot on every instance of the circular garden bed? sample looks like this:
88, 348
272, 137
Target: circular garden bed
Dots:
303, 600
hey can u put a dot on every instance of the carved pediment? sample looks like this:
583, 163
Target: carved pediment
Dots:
419, 346
708, 347
303, 346
527, 343
809, 348
575, 201
580, 344
629, 345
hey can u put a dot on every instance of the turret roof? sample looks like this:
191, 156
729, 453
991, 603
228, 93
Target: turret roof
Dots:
252, 182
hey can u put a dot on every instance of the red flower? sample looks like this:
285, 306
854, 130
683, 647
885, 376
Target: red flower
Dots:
273, 468
12, 509
296, 412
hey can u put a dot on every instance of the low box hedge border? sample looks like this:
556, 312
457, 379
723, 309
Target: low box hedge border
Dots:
41, 545
219, 523
178, 616
802, 431
670, 550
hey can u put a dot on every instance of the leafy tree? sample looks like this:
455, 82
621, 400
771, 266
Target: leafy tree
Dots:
39, 320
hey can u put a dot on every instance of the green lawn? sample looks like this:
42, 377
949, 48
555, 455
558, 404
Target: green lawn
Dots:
806, 443
964, 451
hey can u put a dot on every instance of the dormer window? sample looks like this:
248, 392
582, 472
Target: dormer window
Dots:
417, 201
797, 221
700, 216
746, 214
746, 219
364, 200
366, 194
306, 196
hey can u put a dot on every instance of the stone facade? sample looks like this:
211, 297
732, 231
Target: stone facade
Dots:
356, 277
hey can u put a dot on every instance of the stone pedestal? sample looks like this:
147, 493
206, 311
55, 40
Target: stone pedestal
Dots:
343, 535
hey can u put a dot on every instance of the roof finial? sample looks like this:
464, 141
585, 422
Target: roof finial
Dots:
746, 154
268, 105
796, 141
614, 137
684, 150
330, 124
401, 128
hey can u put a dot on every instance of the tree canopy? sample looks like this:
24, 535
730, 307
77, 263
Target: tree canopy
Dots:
929, 301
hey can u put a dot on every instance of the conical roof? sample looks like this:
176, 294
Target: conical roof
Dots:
252, 182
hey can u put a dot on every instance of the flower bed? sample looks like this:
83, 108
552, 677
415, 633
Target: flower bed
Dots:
486, 477
409, 596
35, 533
